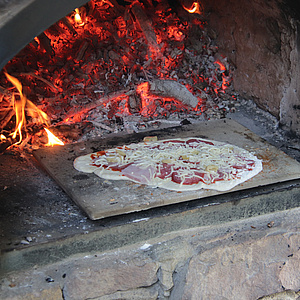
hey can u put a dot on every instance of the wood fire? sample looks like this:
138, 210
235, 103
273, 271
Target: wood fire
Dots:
88, 69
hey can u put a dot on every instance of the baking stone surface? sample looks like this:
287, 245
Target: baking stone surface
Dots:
100, 198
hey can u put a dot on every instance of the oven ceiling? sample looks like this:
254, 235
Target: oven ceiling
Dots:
23, 20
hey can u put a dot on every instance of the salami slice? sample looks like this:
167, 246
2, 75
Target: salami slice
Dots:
176, 164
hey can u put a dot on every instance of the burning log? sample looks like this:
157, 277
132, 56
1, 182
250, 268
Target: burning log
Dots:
70, 27
103, 100
45, 43
172, 88
103, 126
7, 117
146, 26
82, 50
66, 131
6, 143
133, 47
50, 84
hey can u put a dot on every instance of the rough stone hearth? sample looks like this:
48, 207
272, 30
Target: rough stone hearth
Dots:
239, 260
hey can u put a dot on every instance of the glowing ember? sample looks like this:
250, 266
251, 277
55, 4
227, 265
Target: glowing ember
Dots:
52, 139
78, 18
101, 75
195, 9
225, 80
2, 137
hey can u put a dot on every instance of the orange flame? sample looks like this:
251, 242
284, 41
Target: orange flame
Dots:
225, 81
195, 9
78, 18
19, 106
52, 139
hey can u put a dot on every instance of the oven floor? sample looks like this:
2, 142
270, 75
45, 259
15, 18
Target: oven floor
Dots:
36, 212
100, 198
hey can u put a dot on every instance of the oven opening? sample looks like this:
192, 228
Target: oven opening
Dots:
96, 77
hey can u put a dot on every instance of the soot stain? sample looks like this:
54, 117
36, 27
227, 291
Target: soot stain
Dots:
80, 177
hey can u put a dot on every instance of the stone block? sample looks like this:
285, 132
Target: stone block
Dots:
285, 295
244, 271
97, 280
138, 294
52, 293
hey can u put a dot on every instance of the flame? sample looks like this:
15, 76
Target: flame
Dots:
195, 9
225, 80
19, 108
20, 105
52, 139
78, 18
2, 137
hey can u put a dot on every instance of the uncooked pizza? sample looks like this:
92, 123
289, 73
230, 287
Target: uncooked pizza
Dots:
175, 164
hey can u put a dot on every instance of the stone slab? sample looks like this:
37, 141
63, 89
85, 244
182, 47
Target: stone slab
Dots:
101, 198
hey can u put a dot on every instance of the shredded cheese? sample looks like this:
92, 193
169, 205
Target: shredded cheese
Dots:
183, 158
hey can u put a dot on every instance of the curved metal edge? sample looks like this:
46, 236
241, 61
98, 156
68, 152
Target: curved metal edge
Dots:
35, 17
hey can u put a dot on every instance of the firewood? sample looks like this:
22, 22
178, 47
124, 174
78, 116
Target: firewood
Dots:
82, 50
45, 43
51, 85
146, 26
103, 126
99, 102
172, 88
6, 118
4, 144
69, 25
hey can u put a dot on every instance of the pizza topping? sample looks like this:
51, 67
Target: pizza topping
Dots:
212, 168
184, 162
175, 159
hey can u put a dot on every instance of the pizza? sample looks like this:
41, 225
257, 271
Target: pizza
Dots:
180, 164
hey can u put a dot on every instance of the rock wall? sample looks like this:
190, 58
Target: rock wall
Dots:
260, 39
238, 260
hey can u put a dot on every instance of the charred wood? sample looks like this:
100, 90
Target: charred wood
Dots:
103, 126
45, 43
69, 25
172, 88
84, 45
99, 102
6, 144
146, 26
51, 85
5, 120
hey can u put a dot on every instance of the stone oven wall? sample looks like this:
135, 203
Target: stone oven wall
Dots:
261, 40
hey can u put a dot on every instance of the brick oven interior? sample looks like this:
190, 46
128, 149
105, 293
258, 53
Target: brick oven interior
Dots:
239, 245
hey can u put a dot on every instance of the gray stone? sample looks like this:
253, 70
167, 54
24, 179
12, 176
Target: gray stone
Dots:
244, 271
138, 294
237, 260
290, 272
96, 280
285, 295
50, 293
170, 255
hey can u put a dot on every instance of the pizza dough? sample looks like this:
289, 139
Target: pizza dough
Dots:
175, 164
